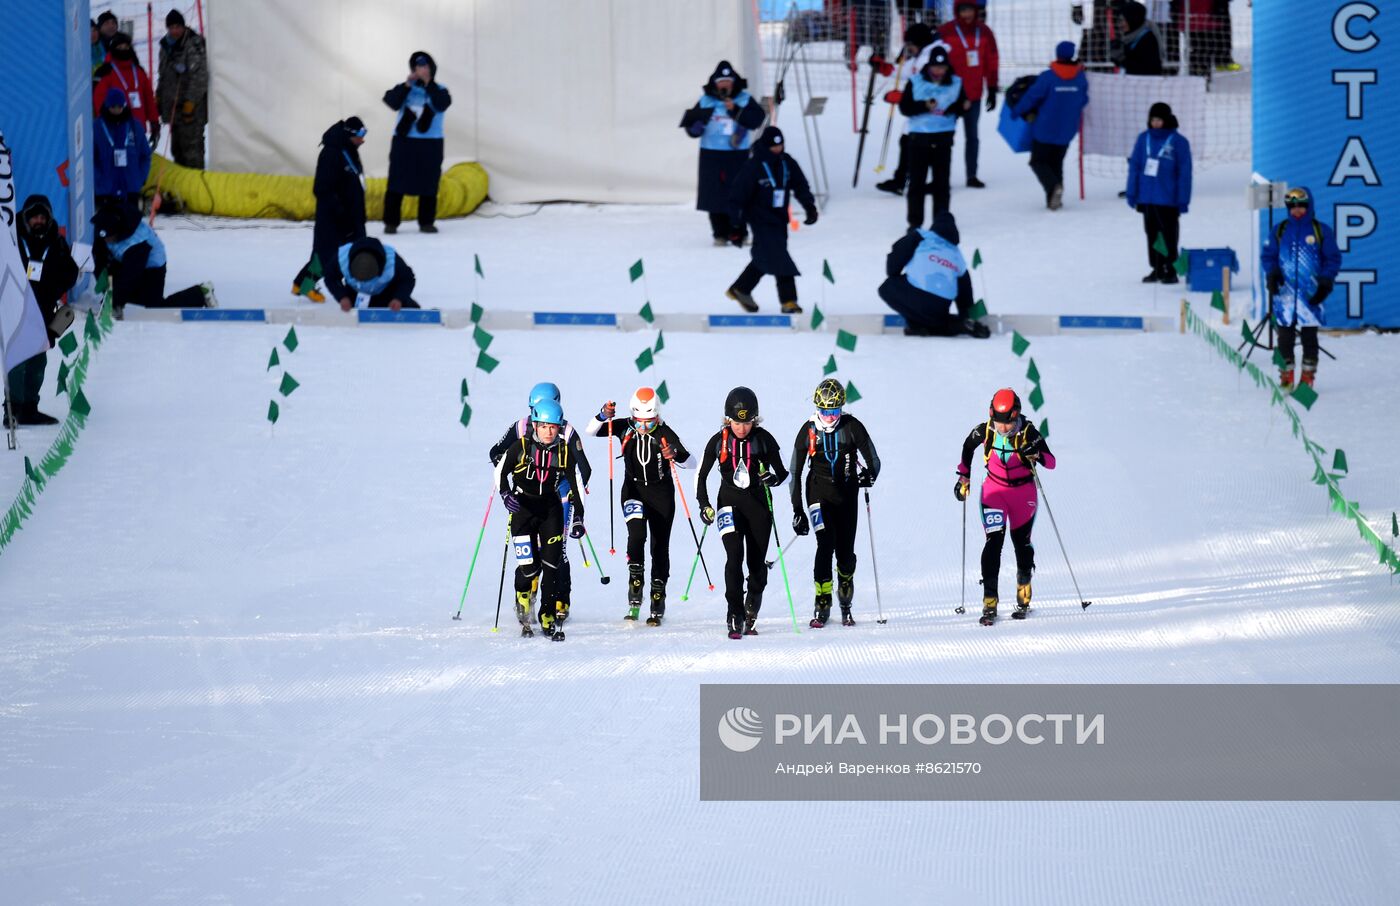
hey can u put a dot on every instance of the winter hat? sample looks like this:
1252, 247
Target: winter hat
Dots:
364, 265
1161, 110
723, 70
116, 220
423, 58
1134, 13
105, 16
958, 7
353, 125
772, 137
938, 56
944, 225
35, 204
918, 34
115, 97
1064, 52
174, 18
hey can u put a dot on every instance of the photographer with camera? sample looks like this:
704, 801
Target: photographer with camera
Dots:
415, 155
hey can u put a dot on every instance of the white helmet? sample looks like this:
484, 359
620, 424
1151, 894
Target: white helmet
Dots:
646, 404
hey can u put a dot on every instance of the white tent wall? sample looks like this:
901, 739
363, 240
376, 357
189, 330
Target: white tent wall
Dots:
558, 101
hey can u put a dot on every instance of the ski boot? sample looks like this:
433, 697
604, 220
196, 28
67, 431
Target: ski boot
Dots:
1285, 376
989, 610
658, 602
634, 590
750, 621
845, 594
561, 613
744, 299
1309, 375
1023, 595
736, 627
821, 610
522, 613
791, 308
892, 186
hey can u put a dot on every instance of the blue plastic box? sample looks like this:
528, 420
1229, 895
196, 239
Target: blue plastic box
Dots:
1203, 274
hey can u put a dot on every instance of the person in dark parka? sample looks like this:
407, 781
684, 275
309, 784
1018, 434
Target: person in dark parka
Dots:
415, 155
48, 262
1138, 51
764, 186
724, 119
339, 188
367, 273
925, 274
131, 252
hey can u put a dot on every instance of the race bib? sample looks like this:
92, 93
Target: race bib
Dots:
993, 521
135, 99
1149, 167
35, 272
973, 58
362, 300
779, 198
119, 156
524, 549
814, 516
632, 509
725, 520
727, 125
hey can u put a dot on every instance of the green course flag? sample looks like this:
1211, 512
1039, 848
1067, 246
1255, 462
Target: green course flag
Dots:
90, 331
30, 473
846, 340
852, 394
1033, 373
645, 360
635, 271
466, 416
647, 314
479, 272
826, 272
1045, 428
1037, 398
1159, 245
1305, 395
79, 405
273, 360
979, 311
477, 312
482, 338
817, 317
464, 393
1394, 526
62, 376
976, 258
1278, 359
830, 366
289, 384
662, 393
1245, 331
68, 344
1217, 300
660, 342
1019, 344
102, 283
272, 411
1339, 460
1183, 263
290, 340
485, 362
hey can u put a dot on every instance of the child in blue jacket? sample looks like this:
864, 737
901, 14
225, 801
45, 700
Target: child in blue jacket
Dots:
1159, 187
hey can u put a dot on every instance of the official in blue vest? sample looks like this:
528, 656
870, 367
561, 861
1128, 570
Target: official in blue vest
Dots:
121, 155
415, 155
134, 258
1301, 261
763, 189
925, 275
1159, 186
724, 119
1054, 106
933, 100
370, 274
339, 188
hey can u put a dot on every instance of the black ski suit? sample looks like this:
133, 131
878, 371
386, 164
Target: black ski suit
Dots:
745, 514
833, 491
648, 491
541, 477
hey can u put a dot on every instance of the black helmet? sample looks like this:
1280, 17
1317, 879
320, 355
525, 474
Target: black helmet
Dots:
829, 394
741, 405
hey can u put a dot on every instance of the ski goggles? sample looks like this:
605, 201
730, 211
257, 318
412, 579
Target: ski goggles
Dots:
360, 132
645, 425
1296, 198
830, 413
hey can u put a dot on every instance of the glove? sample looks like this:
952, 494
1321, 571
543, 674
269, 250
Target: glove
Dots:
991, 99
811, 216
695, 129
1324, 289
799, 523
155, 135
608, 412
865, 478
707, 514
576, 531
881, 65
512, 503
1275, 281
1183, 209
961, 488
893, 97
771, 479
1076, 14
1032, 450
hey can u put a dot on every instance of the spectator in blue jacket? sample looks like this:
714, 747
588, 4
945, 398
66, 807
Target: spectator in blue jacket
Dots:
1159, 186
416, 152
933, 101
369, 274
1053, 106
724, 119
121, 155
925, 275
1301, 261
134, 257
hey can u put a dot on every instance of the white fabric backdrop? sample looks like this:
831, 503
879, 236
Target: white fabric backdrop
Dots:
1118, 105
557, 100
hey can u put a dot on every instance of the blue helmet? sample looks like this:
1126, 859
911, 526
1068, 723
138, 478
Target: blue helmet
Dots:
547, 412
543, 391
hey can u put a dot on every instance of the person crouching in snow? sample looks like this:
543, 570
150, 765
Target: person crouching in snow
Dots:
134, 257
724, 120
769, 179
1011, 449
1159, 186
926, 274
369, 274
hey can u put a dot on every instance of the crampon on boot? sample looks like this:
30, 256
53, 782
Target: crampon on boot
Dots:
989, 611
634, 590
821, 609
658, 602
561, 613
845, 594
522, 613
1023, 595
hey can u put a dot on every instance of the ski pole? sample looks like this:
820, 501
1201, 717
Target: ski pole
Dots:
870, 528
612, 532
781, 547
889, 123
792, 608
603, 576
675, 473
490, 499
694, 563
1083, 604
962, 607
501, 590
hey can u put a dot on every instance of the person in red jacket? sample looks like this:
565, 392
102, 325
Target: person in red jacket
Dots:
972, 49
123, 71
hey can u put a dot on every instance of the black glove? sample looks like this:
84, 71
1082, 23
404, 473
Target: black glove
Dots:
1032, 449
961, 488
811, 216
707, 514
1076, 14
865, 478
772, 479
1275, 281
576, 530
799, 523
991, 99
1324, 289
155, 135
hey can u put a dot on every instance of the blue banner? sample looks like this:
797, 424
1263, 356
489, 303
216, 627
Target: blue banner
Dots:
1321, 121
